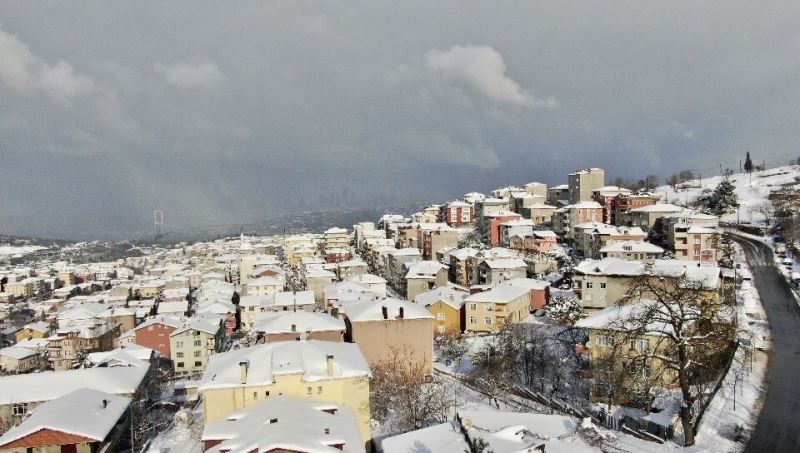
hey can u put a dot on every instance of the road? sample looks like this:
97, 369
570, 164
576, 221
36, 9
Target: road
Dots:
778, 426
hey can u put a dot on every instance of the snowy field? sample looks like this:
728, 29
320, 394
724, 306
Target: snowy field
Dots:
751, 192
13, 250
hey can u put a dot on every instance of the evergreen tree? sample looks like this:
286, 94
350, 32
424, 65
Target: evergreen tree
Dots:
721, 200
748, 163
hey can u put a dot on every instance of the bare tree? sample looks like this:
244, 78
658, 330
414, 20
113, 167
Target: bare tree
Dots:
766, 210
405, 396
450, 345
676, 327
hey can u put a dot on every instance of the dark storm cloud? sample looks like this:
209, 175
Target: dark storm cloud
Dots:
226, 112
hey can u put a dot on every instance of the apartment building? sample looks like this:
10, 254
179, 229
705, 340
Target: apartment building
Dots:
583, 182
192, 344
490, 310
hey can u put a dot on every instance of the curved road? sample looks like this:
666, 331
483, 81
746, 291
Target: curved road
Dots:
778, 426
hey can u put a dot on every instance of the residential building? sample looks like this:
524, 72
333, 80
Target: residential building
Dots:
423, 276
558, 195
39, 329
602, 283
623, 203
633, 251
459, 213
286, 424
490, 310
446, 304
379, 326
67, 346
583, 182
154, 333
192, 344
607, 196
317, 280
300, 325
647, 216
539, 291
322, 371
496, 270
575, 214
335, 238
375, 283
22, 393
81, 421
436, 237
263, 286
15, 359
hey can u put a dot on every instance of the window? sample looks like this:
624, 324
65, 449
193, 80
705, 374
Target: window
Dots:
442, 329
266, 393
309, 390
198, 364
19, 409
603, 285
255, 395
605, 340
473, 306
641, 344
178, 344
197, 353
180, 365
589, 285
180, 355
487, 320
198, 342
440, 316
319, 390
473, 320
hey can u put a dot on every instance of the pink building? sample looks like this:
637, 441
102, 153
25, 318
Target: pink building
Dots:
494, 226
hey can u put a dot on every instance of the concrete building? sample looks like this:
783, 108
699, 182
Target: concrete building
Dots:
377, 327
583, 182
314, 370
447, 306
490, 310
192, 344
293, 326
423, 276
602, 283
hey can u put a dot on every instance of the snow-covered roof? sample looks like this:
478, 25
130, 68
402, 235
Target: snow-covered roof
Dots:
529, 283
610, 266
206, 325
39, 326
286, 423
129, 355
585, 205
424, 269
373, 310
442, 438
319, 273
632, 246
505, 263
367, 279
502, 293
658, 207
84, 412
518, 432
48, 385
16, 352
447, 294
181, 306
264, 361
282, 322
288, 298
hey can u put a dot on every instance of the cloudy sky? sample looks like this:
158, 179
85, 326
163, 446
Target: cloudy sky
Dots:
226, 112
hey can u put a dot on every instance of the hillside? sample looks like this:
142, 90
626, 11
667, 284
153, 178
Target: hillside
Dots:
750, 193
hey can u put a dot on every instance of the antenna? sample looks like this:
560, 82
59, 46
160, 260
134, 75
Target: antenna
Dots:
158, 221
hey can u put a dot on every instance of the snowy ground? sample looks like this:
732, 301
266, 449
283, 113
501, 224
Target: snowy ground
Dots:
12, 250
181, 436
750, 193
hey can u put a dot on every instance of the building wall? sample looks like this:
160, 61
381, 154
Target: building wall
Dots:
155, 337
477, 313
453, 321
417, 286
600, 291
189, 357
352, 393
323, 335
27, 334
376, 338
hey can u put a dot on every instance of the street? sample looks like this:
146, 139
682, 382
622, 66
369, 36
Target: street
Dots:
778, 426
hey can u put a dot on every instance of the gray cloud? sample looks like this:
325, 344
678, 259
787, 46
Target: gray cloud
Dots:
220, 114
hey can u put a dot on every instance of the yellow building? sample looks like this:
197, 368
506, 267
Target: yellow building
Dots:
38, 329
489, 311
315, 370
447, 306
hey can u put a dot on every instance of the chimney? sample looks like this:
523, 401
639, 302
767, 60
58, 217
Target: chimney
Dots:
105, 404
329, 363
294, 327
243, 371
401, 313
385, 312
